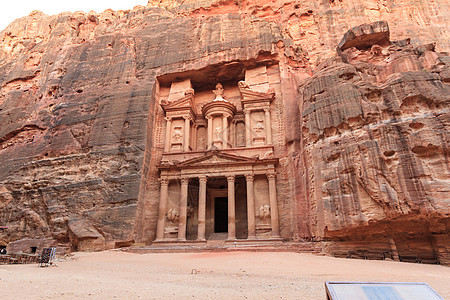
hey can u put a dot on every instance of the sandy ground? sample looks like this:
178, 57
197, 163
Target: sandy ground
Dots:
221, 275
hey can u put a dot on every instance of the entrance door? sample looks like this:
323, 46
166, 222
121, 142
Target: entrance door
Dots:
220, 214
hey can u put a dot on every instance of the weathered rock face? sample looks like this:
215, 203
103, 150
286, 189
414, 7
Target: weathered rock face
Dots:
375, 137
365, 151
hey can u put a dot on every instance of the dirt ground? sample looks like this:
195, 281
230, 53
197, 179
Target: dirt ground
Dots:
218, 275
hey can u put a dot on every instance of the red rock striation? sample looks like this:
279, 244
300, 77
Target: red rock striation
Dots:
364, 166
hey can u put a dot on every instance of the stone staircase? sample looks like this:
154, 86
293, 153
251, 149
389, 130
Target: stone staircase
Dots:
220, 244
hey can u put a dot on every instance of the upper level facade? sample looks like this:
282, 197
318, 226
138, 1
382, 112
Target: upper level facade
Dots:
234, 118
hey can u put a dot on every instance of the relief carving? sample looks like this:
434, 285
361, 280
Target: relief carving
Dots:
259, 133
263, 212
218, 133
189, 211
201, 143
240, 134
177, 136
172, 215
218, 91
258, 128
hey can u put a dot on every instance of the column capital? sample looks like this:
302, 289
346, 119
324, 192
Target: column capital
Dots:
168, 118
184, 180
230, 178
208, 117
187, 118
271, 176
203, 179
266, 109
249, 177
247, 110
164, 180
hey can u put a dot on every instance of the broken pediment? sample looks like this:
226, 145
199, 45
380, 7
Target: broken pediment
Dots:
186, 102
250, 95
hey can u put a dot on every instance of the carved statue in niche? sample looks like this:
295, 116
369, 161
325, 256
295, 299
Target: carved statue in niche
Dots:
218, 91
201, 143
177, 136
189, 210
218, 133
240, 134
263, 212
172, 215
258, 128
240, 139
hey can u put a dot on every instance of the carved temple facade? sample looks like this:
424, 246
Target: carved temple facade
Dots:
217, 171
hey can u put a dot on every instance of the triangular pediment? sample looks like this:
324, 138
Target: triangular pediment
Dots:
185, 102
216, 158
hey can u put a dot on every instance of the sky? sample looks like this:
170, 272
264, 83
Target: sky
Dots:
13, 9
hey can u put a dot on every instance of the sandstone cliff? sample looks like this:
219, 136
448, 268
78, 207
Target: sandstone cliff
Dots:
366, 163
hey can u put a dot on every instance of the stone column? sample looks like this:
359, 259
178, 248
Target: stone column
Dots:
194, 137
273, 205
210, 132
167, 138
268, 126
233, 134
183, 209
225, 131
250, 206
248, 135
231, 209
187, 131
202, 208
164, 192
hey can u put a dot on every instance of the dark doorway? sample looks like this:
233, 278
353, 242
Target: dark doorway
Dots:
221, 214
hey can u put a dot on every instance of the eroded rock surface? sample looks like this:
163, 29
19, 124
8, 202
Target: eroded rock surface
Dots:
364, 153
375, 140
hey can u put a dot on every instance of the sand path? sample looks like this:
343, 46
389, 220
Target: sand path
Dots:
221, 275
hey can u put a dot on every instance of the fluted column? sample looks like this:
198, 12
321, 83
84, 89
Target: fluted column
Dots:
187, 131
231, 209
273, 205
248, 136
167, 137
183, 209
225, 131
250, 206
164, 192
210, 132
202, 208
268, 126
